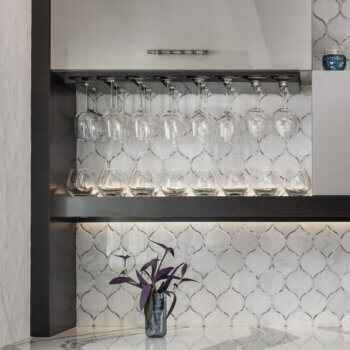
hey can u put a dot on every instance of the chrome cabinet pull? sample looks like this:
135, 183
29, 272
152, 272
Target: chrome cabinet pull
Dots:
197, 52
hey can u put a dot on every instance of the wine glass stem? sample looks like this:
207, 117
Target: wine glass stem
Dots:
199, 96
87, 96
284, 99
112, 99
228, 97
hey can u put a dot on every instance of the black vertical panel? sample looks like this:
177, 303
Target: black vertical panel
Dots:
53, 149
40, 169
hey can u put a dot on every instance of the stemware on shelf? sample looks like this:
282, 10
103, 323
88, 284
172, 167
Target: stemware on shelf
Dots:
87, 124
144, 125
174, 182
112, 182
228, 124
115, 125
297, 182
142, 183
256, 119
286, 124
234, 182
199, 122
172, 124
265, 182
204, 183
80, 182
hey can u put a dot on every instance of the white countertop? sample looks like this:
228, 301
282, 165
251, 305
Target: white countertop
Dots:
242, 338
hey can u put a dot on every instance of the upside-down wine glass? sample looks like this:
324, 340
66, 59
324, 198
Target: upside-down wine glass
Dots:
200, 124
172, 124
256, 119
115, 125
286, 124
144, 126
228, 124
87, 124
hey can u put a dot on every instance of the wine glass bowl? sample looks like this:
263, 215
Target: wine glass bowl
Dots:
204, 183
80, 182
87, 124
265, 182
174, 183
142, 183
297, 182
115, 125
112, 182
257, 122
285, 123
234, 183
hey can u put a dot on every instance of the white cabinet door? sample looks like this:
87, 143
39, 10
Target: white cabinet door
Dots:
331, 133
239, 34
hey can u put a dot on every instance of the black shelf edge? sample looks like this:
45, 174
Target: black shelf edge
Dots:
93, 209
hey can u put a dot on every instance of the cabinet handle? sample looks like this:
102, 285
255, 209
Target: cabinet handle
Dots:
197, 52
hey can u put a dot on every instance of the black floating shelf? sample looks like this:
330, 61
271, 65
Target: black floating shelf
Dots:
92, 209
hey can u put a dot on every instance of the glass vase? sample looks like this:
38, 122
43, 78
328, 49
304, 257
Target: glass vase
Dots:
156, 326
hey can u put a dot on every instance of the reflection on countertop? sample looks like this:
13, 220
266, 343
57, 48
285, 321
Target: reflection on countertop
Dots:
225, 338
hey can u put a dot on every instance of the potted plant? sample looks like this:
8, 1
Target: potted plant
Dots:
156, 283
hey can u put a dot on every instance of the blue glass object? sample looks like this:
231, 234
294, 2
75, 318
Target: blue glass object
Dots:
156, 328
334, 59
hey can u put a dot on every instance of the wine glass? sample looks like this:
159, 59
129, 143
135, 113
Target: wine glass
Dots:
234, 183
174, 182
87, 124
142, 183
115, 124
256, 119
286, 124
204, 183
297, 182
144, 126
265, 182
200, 123
80, 182
172, 124
112, 182
228, 124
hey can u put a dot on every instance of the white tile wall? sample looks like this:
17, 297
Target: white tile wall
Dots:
331, 27
249, 274
15, 87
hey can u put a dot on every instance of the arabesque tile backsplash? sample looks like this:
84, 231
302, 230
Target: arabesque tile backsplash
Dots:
264, 274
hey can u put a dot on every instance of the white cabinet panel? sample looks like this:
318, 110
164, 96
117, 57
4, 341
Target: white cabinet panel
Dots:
239, 34
331, 133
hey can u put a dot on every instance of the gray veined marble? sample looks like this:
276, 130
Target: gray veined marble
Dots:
224, 338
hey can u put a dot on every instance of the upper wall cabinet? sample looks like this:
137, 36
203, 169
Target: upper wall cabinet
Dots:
238, 34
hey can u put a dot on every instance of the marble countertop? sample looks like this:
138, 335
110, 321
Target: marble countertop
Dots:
225, 338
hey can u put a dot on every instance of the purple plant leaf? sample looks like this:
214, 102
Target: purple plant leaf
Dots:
184, 269
168, 249
124, 279
146, 289
184, 279
162, 274
120, 280
164, 287
141, 279
172, 304
152, 263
